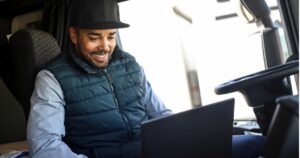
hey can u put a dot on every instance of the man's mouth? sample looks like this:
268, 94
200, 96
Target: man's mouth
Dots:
99, 53
99, 56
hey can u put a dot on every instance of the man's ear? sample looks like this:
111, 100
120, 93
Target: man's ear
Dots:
73, 34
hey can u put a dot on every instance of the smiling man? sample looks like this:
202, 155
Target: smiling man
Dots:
91, 100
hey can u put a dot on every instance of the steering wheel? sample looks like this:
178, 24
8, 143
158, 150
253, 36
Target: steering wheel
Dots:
248, 81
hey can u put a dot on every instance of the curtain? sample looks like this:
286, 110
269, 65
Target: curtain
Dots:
56, 19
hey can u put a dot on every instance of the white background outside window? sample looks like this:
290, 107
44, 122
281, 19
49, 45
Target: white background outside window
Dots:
219, 50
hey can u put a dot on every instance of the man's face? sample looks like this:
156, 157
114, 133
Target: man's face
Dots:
95, 46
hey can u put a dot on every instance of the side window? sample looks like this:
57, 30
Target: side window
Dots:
177, 37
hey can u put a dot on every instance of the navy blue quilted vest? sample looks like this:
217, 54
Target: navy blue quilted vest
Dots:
104, 108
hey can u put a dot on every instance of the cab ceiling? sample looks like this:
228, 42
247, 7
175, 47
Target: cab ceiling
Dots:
14, 7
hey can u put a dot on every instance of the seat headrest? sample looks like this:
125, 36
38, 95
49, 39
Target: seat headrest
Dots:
29, 50
35, 45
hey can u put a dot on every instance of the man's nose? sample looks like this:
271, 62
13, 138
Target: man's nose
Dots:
104, 45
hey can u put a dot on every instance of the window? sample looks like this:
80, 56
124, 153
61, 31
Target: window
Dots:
173, 37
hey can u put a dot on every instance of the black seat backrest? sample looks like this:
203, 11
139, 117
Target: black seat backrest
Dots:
5, 71
283, 134
12, 117
30, 49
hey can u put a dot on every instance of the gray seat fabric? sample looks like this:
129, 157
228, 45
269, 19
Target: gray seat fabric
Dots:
30, 49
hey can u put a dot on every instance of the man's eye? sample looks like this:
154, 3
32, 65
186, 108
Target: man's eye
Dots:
93, 38
111, 38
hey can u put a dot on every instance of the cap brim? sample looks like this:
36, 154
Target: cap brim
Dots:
104, 25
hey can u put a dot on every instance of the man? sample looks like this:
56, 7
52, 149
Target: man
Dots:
91, 100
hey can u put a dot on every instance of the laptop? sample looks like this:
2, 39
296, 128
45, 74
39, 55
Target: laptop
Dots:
204, 132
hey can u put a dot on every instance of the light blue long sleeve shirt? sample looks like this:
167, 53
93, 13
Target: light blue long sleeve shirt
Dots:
45, 127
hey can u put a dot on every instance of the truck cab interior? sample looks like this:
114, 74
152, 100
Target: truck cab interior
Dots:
33, 32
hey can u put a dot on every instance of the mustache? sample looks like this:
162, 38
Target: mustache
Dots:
99, 52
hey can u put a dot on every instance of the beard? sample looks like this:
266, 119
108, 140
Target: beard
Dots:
102, 63
97, 59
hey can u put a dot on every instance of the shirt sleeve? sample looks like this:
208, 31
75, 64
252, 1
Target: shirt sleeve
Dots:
45, 127
154, 106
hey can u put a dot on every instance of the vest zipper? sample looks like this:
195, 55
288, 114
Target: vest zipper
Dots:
117, 103
110, 81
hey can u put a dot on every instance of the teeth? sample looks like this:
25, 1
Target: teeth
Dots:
102, 55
